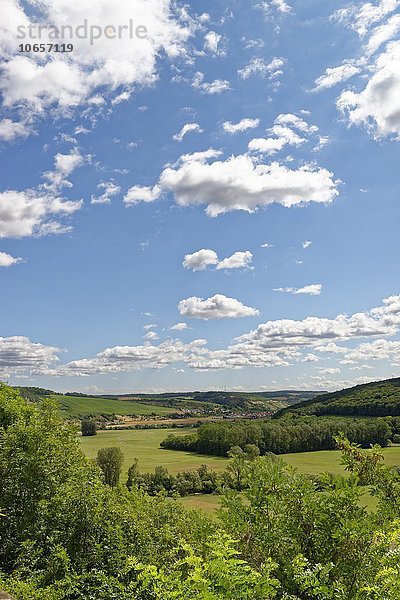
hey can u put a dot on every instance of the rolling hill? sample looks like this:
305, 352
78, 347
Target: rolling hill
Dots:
375, 399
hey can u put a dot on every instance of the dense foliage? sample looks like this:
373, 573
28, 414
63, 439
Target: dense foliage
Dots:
88, 427
110, 461
200, 481
281, 436
378, 399
66, 535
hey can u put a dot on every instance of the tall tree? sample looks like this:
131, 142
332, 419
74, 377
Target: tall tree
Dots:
110, 461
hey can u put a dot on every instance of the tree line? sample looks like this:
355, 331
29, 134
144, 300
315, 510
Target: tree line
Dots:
281, 436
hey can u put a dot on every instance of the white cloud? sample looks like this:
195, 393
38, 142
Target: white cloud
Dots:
139, 193
383, 34
377, 350
26, 213
282, 134
314, 289
18, 354
289, 119
238, 260
133, 358
67, 81
200, 260
335, 75
64, 165
249, 44
199, 156
377, 106
212, 43
151, 335
306, 244
283, 335
123, 97
214, 87
150, 326
179, 327
361, 18
267, 245
216, 307
188, 128
241, 183
9, 130
267, 6
258, 66
242, 125
6, 260
110, 189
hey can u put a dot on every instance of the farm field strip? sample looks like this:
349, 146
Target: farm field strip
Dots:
77, 405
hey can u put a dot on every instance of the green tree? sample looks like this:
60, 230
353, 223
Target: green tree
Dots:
110, 461
88, 427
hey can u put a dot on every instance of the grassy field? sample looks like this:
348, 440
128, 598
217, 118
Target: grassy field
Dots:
72, 406
144, 445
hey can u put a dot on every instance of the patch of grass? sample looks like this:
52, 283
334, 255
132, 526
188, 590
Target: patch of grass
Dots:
329, 460
207, 502
144, 445
74, 406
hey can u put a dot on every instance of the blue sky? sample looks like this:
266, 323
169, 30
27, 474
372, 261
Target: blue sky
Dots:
216, 205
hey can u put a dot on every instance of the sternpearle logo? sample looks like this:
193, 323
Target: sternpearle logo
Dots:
85, 31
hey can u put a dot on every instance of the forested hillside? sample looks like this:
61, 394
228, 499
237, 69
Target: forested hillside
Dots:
377, 399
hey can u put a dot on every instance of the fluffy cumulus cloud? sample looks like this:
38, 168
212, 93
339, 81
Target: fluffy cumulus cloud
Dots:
377, 105
241, 183
361, 17
258, 66
133, 358
120, 60
10, 130
215, 87
27, 213
213, 43
200, 260
216, 307
109, 189
187, 128
19, 355
64, 166
242, 125
384, 320
377, 350
335, 75
6, 260
238, 260
139, 193
288, 130
271, 6
179, 327
313, 289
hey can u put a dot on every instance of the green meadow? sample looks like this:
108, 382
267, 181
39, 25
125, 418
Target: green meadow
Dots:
144, 444
75, 406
